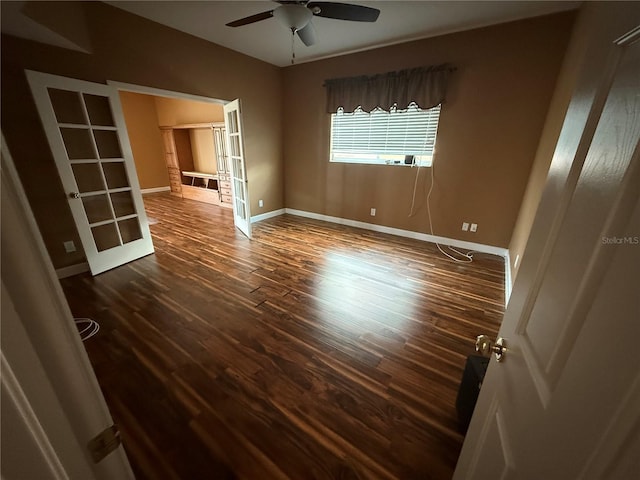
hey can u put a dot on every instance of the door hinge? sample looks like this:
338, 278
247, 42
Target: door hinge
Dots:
104, 443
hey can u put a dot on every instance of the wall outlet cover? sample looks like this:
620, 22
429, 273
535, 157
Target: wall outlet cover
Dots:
373, 212
260, 203
69, 246
474, 227
465, 226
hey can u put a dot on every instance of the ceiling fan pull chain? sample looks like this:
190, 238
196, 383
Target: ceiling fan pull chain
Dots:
293, 52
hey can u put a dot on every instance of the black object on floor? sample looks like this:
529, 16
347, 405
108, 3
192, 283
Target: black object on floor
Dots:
472, 378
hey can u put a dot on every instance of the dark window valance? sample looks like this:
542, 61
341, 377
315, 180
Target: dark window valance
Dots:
426, 86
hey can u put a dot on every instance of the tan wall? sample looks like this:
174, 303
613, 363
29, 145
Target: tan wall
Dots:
146, 141
487, 139
203, 148
130, 49
584, 54
177, 111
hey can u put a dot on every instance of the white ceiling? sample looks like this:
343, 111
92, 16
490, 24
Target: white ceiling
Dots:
268, 40
399, 21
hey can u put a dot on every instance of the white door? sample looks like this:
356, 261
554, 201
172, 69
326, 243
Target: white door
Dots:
564, 401
239, 187
52, 405
88, 138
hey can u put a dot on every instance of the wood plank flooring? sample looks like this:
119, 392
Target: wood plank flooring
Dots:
312, 351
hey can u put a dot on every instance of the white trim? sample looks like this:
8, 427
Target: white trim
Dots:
144, 191
72, 270
507, 278
476, 247
131, 87
264, 216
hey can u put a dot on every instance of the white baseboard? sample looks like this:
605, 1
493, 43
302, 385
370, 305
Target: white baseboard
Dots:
155, 190
264, 216
72, 270
476, 247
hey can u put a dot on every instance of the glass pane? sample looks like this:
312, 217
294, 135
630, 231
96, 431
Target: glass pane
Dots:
232, 118
88, 177
78, 143
239, 191
99, 110
67, 106
240, 209
97, 208
115, 174
234, 148
108, 144
123, 204
105, 236
237, 168
130, 230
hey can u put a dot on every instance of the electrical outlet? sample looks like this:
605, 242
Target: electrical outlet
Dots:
260, 203
474, 227
373, 212
465, 226
69, 246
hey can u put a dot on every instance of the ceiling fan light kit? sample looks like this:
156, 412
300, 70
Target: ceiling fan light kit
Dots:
294, 17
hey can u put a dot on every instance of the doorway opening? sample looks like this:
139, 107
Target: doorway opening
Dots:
179, 146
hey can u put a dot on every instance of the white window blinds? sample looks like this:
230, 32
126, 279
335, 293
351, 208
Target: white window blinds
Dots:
384, 137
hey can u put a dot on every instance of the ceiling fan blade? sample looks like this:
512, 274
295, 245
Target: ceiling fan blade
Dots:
344, 11
252, 19
307, 34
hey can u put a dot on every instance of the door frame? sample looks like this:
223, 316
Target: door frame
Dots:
51, 337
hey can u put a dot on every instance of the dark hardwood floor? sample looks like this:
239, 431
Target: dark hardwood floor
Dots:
313, 351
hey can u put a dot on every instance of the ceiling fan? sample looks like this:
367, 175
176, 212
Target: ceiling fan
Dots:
297, 15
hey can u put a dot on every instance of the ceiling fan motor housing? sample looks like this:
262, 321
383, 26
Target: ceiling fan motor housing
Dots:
294, 17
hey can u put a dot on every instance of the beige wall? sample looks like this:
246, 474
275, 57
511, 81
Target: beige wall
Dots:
487, 139
130, 49
146, 141
177, 111
203, 148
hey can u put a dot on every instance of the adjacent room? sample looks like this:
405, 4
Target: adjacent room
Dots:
299, 232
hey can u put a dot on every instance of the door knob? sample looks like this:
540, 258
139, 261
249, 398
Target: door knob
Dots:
74, 195
485, 346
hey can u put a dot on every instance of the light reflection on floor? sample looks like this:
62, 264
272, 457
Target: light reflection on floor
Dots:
359, 289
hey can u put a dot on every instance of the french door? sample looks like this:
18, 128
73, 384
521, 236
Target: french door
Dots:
239, 187
85, 128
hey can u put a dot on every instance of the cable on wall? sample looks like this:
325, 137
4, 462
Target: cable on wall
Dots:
466, 257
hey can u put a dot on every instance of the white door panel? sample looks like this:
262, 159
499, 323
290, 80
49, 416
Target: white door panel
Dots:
88, 138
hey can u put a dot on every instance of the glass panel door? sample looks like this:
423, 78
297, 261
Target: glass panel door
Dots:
86, 132
239, 188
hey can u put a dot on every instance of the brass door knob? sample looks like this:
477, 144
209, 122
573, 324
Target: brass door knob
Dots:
485, 346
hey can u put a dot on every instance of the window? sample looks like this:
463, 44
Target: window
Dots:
398, 137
